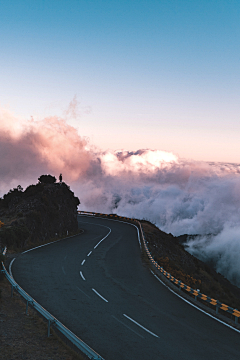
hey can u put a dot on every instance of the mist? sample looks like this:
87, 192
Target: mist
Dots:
180, 196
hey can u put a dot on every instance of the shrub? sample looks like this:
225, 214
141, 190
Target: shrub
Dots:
47, 179
14, 236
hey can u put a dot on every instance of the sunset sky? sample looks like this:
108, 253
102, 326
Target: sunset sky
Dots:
144, 74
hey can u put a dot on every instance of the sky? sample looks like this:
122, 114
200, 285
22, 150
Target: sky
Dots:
136, 103
160, 75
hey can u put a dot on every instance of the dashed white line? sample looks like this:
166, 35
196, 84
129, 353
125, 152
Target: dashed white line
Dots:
82, 276
99, 295
89, 253
83, 262
135, 322
63, 270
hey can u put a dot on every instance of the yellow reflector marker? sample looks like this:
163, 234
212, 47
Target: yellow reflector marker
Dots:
236, 313
204, 297
224, 307
213, 302
188, 288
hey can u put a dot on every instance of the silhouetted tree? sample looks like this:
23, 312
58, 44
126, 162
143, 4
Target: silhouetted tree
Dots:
47, 179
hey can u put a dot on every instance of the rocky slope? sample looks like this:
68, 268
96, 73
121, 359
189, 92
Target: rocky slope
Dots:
42, 212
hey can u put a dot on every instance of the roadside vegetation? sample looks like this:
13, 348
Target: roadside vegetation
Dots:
43, 213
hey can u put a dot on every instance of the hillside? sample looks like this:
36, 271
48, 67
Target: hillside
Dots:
168, 251
42, 212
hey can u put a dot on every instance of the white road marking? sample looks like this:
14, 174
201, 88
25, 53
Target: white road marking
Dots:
10, 267
103, 238
135, 322
63, 270
159, 279
128, 327
196, 307
83, 292
82, 276
89, 253
53, 242
124, 222
99, 295
83, 262
65, 258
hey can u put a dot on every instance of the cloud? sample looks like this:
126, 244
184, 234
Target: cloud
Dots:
222, 250
29, 148
180, 196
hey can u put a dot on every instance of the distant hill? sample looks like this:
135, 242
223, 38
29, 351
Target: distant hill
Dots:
42, 212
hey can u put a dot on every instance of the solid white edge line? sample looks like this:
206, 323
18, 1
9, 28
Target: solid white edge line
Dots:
10, 267
83, 262
89, 253
82, 276
53, 242
135, 322
195, 306
99, 295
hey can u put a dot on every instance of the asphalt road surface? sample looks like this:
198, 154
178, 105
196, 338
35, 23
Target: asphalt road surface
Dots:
96, 285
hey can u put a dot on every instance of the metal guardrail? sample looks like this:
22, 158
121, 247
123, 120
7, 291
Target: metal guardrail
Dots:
76, 340
80, 344
190, 290
179, 283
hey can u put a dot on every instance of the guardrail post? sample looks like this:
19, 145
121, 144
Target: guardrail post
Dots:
197, 295
236, 320
217, 309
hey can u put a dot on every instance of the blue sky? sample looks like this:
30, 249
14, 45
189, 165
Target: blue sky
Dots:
148, 74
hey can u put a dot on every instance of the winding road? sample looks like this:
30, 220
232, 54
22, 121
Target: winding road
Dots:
96, 284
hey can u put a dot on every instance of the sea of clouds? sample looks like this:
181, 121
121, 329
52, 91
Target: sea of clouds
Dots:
180, 196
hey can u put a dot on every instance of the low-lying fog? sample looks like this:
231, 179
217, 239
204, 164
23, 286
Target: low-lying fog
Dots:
178, 195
